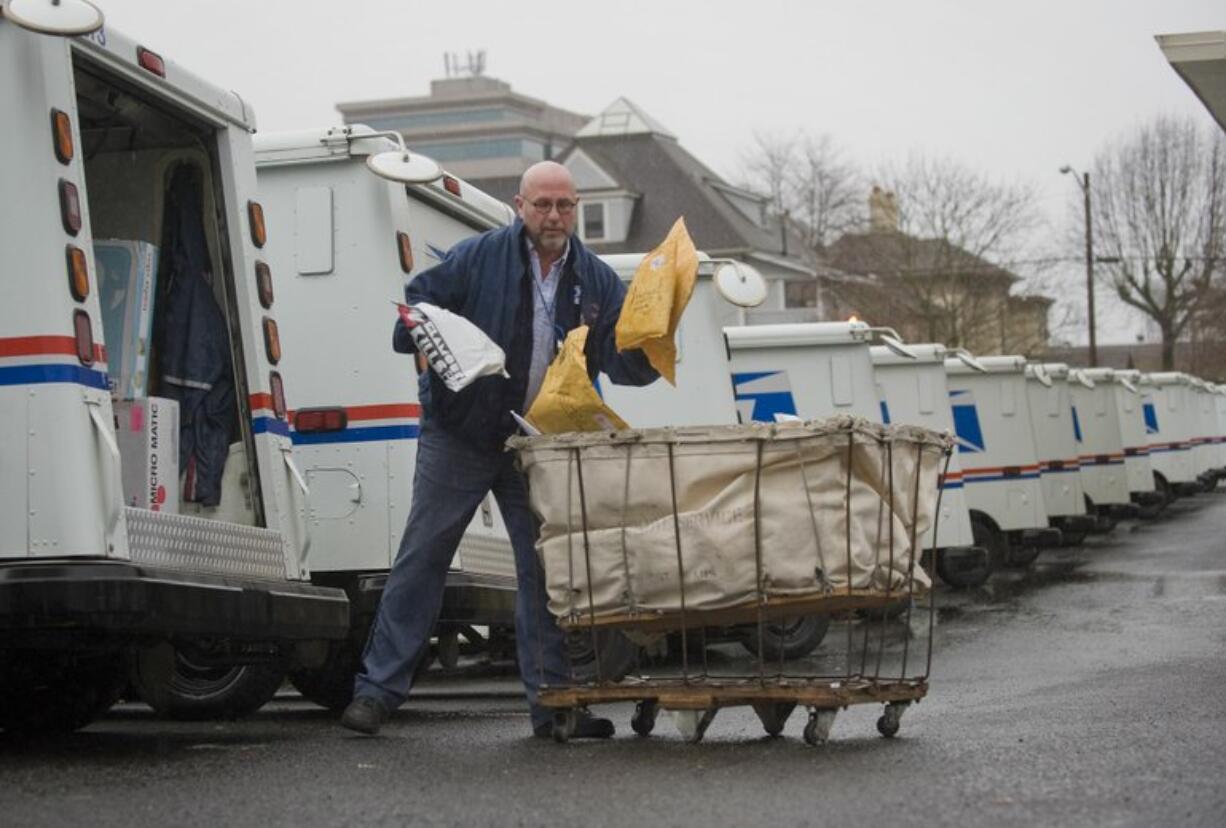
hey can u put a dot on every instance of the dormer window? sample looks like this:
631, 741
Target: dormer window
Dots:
593, 221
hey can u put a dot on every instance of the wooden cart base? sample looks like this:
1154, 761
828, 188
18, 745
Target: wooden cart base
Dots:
694, 704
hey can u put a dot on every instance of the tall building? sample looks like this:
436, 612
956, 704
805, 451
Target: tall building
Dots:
476, 127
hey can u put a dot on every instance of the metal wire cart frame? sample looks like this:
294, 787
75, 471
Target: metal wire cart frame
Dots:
683, 531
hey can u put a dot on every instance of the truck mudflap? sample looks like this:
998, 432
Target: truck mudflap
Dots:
124, 599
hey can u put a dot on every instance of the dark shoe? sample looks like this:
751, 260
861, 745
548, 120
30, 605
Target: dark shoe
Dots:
587, 726
365, 714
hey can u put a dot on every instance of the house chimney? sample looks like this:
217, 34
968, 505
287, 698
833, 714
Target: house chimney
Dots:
882, 211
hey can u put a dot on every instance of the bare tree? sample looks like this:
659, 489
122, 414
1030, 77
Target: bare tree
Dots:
942, 255
1159, 200
808, 179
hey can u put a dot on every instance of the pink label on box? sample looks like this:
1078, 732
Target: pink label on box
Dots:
136, 418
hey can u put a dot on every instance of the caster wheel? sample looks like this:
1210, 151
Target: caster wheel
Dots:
817, 731
890, 720
563, 724
644, 719
887, 727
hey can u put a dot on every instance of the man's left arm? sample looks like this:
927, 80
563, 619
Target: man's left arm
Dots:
629, 367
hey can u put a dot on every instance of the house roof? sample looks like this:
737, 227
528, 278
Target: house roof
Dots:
891, 253
670, 182
622, 117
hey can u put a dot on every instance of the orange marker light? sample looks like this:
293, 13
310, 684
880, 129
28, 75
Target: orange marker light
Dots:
272, 341
278, 394
263, 284
83, 332
78, 273
61, 133
255, 216
451, 185
406, 251
70, 207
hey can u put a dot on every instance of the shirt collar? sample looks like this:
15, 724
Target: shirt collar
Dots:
536, 258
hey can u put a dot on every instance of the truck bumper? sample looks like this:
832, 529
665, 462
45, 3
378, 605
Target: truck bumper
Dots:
1044, 538
115, 598
467, 598
1151, 498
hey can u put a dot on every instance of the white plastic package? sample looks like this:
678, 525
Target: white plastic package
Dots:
456, 349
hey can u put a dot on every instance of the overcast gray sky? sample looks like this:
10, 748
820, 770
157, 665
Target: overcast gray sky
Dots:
1013, 88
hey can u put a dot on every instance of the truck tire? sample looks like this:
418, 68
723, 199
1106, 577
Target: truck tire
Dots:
618, 655
953, 569
788, 638
196, 692
43, 694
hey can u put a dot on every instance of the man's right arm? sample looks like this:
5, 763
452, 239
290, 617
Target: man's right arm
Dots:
444, 285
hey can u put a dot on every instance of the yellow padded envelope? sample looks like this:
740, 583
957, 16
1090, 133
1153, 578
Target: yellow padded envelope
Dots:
567, 401
661, 289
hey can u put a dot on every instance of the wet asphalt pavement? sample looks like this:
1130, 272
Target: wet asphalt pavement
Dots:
1087, 690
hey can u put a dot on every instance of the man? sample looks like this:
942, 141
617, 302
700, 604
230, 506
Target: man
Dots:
525, 285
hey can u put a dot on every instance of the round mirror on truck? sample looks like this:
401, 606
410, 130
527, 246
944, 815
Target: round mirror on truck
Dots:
54, 17
402, 166
740, 284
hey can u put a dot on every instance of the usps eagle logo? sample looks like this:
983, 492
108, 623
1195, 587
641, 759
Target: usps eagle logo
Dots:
760, 395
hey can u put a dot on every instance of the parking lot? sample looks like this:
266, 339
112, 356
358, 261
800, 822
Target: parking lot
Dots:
1084, 690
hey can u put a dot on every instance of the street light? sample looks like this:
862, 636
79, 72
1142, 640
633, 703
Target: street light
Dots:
1084, 183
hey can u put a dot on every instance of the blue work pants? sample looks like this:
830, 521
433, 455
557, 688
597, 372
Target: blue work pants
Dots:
451, 480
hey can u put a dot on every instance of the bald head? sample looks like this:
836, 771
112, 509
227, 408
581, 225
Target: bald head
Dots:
545, 174
547, 203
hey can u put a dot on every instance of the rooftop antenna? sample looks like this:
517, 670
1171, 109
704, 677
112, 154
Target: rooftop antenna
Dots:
471, 66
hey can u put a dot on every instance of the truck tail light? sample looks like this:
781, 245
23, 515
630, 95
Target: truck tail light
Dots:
263, 284
272, 341
278, 394
151, 61
308, 420
83, 332
451, 184
61, 133
406, 251
255, 216
78, 273
70, 207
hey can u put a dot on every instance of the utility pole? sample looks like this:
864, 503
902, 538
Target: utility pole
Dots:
1085, 189
1084, 183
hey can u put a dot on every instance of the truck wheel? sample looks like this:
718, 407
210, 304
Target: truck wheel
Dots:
41, 694
195, 692
963, 572
618, 654
789, 638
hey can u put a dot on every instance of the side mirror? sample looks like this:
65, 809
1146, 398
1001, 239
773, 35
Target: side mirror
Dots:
399, 165
1124, 381
890, 339
1042, 376
55, 17
967, 359
739, 283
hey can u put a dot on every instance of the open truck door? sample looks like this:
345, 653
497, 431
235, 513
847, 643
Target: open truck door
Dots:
135, 296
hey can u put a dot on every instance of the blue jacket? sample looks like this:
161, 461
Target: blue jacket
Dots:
487, 279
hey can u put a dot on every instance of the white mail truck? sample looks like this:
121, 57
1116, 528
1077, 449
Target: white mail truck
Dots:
1165, 406
1100, 447
1143, 488
1207, 431
1000, 463
1051, 414
151, 512
913, 391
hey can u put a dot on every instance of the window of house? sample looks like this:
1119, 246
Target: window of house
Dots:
800, 294
593, 221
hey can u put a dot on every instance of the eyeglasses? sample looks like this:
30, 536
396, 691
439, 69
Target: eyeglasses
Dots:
544, 206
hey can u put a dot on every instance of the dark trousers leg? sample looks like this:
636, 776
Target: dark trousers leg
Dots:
448, 485
540, 645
